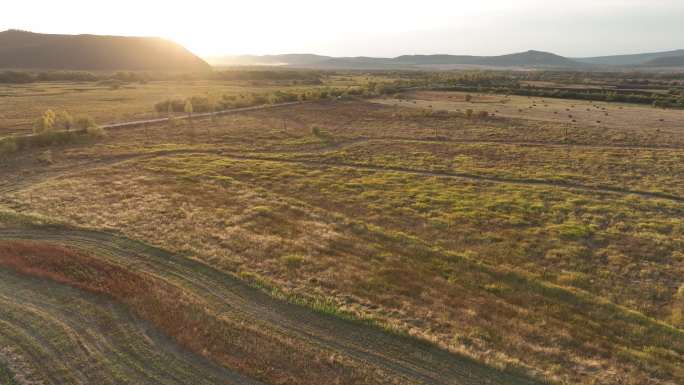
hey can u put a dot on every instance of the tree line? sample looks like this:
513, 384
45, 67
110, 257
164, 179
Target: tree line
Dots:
23, 77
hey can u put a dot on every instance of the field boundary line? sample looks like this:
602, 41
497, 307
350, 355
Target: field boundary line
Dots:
465, 175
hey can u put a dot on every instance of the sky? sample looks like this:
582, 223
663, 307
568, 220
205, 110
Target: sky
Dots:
573, 28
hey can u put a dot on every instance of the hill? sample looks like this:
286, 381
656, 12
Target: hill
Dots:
630, 60
28, 50
536, 59
522, 59
529, 59
666, 61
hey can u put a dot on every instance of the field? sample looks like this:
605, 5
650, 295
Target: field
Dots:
114, 102
623, 117
401, 239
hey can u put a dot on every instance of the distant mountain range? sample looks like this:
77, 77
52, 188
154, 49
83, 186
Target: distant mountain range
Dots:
654, 59
34, 51
28, 50
529, 59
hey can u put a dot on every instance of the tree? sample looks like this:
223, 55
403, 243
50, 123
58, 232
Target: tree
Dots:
64, 120
189, 110
468, 98
45, 123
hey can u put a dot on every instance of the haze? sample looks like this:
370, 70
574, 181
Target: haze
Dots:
371, 28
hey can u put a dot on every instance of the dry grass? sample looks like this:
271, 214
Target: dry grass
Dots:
627, 117
183, 316
22, 104
572, 285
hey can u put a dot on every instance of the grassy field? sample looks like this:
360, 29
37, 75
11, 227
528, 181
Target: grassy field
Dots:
219, 320
22, 104
533, 244
624, 119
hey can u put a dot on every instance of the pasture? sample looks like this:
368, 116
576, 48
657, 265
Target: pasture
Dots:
541, 247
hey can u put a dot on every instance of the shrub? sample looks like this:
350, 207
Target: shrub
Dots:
49, 138
293, 261
173, 105
188, 108
45, 122
469, 113
95, 131
63, 120
84, 122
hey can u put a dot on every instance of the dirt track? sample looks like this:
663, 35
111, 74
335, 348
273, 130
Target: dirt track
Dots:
61, 335
404, 359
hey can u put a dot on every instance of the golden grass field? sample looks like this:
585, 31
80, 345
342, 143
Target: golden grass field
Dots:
541, 247
575, 113
23, 103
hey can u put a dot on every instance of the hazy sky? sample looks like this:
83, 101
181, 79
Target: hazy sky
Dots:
369, 27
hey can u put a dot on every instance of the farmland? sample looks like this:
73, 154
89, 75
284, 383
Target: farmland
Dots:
113, 101
403, 238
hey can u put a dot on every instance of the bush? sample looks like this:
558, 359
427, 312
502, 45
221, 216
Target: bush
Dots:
293, 261
63, 120
188, 108
95, 131
84, 122
45, 122
175, 105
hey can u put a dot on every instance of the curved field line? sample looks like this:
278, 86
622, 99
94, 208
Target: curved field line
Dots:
404, 359
463, 175
16, 185
143, 122
137, 123
69, 336
444, 140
